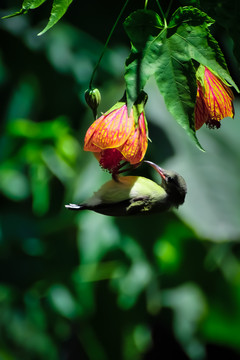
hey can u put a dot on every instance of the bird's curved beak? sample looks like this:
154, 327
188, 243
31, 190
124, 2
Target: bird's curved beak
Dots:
160, 170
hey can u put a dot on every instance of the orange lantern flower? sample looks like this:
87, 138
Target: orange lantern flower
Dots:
115, 136
214, 99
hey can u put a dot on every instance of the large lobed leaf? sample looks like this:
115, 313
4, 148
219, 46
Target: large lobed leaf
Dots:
175, 77
193, 30
170, 56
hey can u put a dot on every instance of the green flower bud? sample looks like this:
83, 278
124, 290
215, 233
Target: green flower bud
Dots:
93, 98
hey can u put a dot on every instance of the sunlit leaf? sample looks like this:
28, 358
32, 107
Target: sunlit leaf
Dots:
20, 12
58, 10
32, 4
26, 5
169, 58
175, 76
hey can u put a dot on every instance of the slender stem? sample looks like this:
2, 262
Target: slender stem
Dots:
168, 9
146, 4
106, 44
162, 13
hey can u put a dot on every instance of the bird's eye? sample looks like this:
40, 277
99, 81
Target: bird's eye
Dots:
170, 179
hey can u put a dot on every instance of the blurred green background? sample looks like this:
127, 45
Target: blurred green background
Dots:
86, 286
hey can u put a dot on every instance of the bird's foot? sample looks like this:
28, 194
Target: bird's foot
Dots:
120, 169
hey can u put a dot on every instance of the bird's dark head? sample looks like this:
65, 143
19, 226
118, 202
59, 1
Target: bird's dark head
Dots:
175, 186
173, 183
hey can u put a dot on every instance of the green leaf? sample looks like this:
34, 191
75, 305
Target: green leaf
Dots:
201, 45
58, 10
32, 4
26, 5
169, 57
20, 12
142, 25
190, 14
176, 80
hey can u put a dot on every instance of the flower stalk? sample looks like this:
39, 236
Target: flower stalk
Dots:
106, 44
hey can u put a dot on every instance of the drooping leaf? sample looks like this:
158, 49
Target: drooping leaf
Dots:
20, 12
136, 76
169, 57
26, 5
193, 29
32, 4
142, 26
175, 77
165, 58
58, 10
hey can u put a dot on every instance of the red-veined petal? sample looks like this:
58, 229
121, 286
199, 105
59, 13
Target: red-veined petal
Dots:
135, 147
114, 129
218, 97
88, 144
201, 111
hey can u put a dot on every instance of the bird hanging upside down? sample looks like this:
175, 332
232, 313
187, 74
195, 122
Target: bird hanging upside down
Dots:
135, 195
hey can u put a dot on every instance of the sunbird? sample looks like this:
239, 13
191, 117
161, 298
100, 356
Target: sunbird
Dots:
135, 195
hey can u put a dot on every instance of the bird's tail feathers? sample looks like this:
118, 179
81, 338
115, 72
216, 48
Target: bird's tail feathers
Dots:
75, 207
